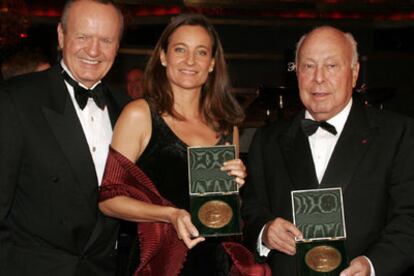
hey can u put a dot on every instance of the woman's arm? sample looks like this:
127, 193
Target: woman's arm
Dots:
131, 136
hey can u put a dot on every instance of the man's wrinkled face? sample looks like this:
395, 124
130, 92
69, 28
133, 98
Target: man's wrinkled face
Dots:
91, 40
326, 75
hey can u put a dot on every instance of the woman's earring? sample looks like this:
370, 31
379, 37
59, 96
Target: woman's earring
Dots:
210, 70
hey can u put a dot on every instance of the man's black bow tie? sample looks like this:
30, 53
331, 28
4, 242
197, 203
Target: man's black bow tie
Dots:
309, 126
82, 94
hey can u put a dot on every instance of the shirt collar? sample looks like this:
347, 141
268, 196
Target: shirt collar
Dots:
339, 120
70, 74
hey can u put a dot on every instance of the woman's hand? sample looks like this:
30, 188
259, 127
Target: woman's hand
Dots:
186, 231
237, 169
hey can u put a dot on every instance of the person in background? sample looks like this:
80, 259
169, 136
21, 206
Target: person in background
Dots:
55, 130
134, 79
187, 103
335, 142
23, 62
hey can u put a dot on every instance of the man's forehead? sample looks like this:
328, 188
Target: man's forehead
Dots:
326, 31
88, 9
88, 24
312, 57
326, 44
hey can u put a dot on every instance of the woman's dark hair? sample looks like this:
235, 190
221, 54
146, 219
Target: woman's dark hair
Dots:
218, 107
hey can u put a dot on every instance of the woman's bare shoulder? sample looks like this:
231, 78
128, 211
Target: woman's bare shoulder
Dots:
136, 110
133, 129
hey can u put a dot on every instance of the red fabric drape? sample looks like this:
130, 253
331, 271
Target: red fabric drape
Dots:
157, 240
161, 252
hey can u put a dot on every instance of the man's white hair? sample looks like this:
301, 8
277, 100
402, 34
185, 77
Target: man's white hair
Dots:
348, 36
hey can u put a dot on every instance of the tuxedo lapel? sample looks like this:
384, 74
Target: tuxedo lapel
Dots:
355, 139
298, 157
63, 120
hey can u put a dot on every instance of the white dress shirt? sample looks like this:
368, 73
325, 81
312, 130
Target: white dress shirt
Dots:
322, 144
96, 126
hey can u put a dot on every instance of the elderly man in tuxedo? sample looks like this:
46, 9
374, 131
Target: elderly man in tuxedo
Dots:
55, 129
369, 153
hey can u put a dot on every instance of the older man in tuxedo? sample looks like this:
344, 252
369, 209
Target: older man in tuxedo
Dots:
55, 129
369, 153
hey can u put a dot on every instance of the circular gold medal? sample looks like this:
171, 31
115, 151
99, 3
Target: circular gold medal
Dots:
323, 258
215, 214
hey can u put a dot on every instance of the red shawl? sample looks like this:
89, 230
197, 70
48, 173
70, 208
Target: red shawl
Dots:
161, 252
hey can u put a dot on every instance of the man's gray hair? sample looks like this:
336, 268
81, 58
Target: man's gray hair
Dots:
348, 36
68, 5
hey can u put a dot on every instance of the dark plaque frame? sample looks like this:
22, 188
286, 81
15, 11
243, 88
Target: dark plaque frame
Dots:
319, 215
214, 195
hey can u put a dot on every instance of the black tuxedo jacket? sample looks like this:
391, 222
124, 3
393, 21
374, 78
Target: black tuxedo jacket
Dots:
373, 162
50, 223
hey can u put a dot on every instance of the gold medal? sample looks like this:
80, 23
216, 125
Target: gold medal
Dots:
215, 214
323, 258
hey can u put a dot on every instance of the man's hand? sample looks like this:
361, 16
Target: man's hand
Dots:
280, 234
358, 267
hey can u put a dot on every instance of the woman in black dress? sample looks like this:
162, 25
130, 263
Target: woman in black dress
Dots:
187, 102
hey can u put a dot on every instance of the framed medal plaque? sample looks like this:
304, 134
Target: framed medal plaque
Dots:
214, 195
319, 215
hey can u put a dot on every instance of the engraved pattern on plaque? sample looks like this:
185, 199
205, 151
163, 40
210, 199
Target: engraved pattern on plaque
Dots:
319, 214
206, 176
